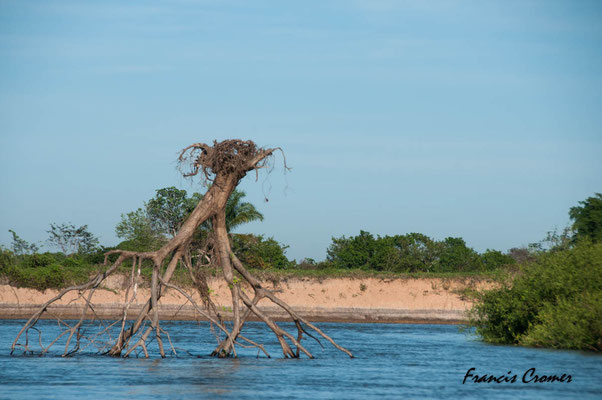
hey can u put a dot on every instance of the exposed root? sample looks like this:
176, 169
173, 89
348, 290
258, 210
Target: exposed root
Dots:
223, 165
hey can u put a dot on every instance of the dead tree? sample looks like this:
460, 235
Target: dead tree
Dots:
222, 165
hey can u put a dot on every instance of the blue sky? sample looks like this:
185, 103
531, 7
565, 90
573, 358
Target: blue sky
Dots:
453, 118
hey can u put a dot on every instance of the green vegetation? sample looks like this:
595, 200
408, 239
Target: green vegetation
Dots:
588, 219
278, 275
72, 240
574, 323
47, 270
137, 230
150, 226
555, 298
260, 253
22, 265
20, 246
144, 229
240, 212
413, 252
549, 293
555, 301
147, 228
169, 209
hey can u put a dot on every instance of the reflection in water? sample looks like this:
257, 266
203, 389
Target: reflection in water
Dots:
392, 361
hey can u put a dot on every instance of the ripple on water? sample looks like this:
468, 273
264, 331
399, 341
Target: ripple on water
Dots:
392, 361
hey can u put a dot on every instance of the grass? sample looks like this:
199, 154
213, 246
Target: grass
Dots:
57, 276
269, 274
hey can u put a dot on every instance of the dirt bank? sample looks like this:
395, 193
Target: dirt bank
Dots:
430, 300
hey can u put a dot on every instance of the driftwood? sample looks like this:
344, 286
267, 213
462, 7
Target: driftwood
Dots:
222, 165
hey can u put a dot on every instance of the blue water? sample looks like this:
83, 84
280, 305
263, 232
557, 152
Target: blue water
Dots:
391, 361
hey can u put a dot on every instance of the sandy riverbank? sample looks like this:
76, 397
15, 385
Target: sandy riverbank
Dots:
407, 300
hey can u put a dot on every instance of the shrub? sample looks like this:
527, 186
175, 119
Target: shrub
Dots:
353, 252
7, 258
38, 278
574, 323
72, 240
587, 219
413, 252
38, 260
47, 270
457, 257
523, 254
257, 252
543, 294
493, 259
96, 257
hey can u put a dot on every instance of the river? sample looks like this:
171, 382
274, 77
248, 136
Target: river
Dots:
391, 361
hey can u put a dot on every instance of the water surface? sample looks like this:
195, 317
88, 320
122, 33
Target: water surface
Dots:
391, 361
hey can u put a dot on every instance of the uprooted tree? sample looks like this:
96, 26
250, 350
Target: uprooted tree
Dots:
222, 165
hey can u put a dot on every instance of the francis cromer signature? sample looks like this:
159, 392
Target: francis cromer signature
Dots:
529, 376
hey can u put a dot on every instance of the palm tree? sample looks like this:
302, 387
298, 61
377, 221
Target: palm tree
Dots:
239, 212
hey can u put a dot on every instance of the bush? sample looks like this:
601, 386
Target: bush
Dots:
47, 270
494, 259
38, 260
545, 294
96, 257
257, 252
587, 219
574, 323
523, 255
38, 278
353, 252
413, 252
7, 258
457, 257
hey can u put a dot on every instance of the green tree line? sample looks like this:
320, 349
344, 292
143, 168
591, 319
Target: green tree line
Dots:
549, 296
144, 229
413, 252
150, 226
